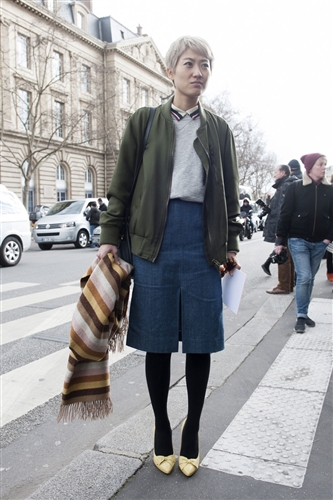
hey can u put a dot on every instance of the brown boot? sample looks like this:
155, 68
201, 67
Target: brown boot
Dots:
284, 276
278, 291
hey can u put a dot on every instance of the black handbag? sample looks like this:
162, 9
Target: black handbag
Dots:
124, 244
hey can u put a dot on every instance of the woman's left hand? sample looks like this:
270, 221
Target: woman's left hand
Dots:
327, 242
233, 256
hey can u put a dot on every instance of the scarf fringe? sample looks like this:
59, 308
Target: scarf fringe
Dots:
85, 410
117, 339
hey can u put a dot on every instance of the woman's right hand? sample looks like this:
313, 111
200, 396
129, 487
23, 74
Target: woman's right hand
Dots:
105, 249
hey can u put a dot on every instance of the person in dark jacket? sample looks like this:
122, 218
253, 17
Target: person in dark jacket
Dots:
248, 209
295, 168
306, 225
286, 273
329, 255
102, 207
93, 217
183, 225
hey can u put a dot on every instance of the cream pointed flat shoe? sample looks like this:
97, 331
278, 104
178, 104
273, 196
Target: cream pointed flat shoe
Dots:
165, 464
188, 466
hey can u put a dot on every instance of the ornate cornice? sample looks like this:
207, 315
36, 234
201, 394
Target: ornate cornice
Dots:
40, 11
165, 79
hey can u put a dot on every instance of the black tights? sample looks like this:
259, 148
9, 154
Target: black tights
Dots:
158, 381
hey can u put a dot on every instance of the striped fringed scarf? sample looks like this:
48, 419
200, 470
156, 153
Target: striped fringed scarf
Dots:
99, 324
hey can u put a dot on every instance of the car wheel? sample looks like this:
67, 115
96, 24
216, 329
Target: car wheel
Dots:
11, 252
45, 246
82, 239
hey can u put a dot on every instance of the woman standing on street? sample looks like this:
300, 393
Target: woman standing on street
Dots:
183, 225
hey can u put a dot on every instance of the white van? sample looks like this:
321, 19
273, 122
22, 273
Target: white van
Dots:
15, 234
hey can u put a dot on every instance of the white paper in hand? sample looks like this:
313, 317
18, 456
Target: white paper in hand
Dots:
232, 289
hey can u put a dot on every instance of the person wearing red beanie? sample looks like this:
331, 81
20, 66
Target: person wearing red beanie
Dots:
306, 225
309, 161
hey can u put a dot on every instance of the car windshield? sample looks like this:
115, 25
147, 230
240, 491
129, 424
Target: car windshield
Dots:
66, 207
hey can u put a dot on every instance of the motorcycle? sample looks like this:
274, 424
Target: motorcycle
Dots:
247, 231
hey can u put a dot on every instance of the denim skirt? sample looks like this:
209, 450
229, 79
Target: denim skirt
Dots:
178, 297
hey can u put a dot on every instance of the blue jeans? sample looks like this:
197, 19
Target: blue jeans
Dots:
92, 229
306, 256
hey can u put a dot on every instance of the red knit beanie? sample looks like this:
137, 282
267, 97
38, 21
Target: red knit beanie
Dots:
310, 160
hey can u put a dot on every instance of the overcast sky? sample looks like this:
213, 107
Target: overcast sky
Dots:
275, 57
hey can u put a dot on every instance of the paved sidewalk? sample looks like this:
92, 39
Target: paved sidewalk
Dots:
236, 372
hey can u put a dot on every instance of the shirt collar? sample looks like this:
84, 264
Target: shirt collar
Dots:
179, 113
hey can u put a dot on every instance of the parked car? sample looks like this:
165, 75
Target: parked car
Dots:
96, 236
15, 234
39, 212
64, 223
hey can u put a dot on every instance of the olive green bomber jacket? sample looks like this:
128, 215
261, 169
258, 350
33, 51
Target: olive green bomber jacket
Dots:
148, 213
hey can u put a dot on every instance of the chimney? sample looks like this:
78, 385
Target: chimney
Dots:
139, 30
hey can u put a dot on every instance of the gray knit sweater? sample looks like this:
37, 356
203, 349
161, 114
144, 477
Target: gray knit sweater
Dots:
188, 172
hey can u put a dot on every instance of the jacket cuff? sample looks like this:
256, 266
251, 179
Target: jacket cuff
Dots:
109, 236
280, 240
233, 244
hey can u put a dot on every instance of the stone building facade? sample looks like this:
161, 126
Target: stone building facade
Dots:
69, 82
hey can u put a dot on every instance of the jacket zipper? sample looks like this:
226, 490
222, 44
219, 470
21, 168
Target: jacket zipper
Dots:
209, 164
166, 206
315, 213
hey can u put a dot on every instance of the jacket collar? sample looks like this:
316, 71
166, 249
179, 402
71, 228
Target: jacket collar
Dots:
166, 111
307, 180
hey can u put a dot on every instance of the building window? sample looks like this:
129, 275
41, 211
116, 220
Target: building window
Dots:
24, 103
126, 91
61, 183
23, 51
85, 78
88, 184
57, 66
60, 173
80, 20
144, 97
86, 126
58, 119
122, 34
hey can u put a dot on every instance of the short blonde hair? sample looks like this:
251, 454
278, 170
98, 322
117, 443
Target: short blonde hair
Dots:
183, 43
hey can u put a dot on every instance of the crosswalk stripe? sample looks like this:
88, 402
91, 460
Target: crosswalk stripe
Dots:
37, 298
32, 385
36, 323
271, 437
16, 285
70, 283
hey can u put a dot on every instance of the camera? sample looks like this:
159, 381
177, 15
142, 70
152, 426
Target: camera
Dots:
264, 208
278, 259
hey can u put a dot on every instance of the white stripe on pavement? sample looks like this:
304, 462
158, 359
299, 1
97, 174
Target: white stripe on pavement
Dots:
271, 437
36, 383
16, 285
36, 323
71, 283
37, 298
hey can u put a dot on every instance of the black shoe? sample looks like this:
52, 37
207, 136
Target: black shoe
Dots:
309, 322
265, 268
300, 325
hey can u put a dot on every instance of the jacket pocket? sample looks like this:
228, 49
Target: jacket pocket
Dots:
325, 223
300, 221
